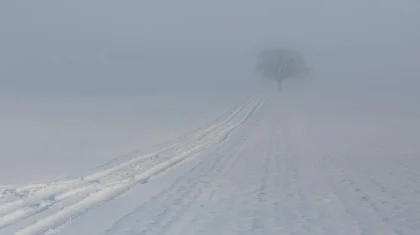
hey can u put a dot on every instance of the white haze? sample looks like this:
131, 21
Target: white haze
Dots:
147, 117
82, 82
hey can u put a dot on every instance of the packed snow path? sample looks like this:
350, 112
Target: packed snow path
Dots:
257, 170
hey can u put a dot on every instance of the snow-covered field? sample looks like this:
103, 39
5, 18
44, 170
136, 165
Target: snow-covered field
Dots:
264, 164
45, 138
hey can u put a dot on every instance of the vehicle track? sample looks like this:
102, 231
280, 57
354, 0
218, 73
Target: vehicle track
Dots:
54, 204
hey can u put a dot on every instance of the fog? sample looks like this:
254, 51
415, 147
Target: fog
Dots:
153, 117
139, 47
62, 61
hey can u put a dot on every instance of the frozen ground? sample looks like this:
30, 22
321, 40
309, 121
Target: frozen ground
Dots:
45, 138
271, 165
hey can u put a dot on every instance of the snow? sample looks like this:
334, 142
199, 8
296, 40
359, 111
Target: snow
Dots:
271, 164
48, 138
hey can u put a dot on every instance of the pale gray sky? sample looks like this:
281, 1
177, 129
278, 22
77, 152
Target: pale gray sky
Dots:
133, 47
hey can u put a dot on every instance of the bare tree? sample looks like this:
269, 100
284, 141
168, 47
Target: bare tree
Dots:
279, 64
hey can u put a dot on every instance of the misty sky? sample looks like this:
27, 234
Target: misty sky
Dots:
134, 47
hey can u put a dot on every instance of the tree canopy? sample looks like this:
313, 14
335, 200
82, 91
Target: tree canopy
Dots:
279, 64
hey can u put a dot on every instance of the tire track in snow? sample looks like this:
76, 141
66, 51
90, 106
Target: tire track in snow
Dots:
46, 197
61, 188
201, 135
191, 134
55, 187
201, 211
228, 211
158, 215
111, 190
